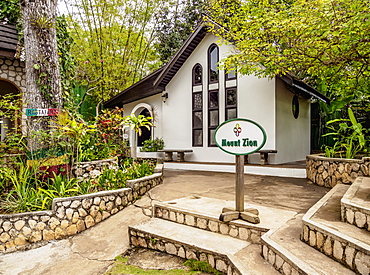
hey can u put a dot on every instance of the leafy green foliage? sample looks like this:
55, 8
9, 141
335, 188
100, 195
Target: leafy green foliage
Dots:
322, 41
152, 145
26, 189
349, 136
113, 43
175, 22
10, 11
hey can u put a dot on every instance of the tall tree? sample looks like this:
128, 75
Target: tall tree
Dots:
42, 67
113, 42
325, 42
175, 23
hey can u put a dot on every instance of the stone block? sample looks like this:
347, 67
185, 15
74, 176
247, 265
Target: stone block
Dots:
181, 253
338, 250
89, 221
350, 216
233, 231
7, 226
48, 235
189, 220
360, 219
36, 236
287, 269
171, 249
213, 226
190, 254
328, 248
72, 230
4, 237
312, 237
350, 254
271, 257
244, 233
202, 223
180, 218
19, 224
362, 263
305, 233
40, 226
319, 239
173, 216
221, 266
278, 262
26, 231
224, 229
211, 260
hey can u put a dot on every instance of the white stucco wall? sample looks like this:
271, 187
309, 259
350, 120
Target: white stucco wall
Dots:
293, 135
264, 101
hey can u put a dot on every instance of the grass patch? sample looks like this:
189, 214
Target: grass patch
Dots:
201, 266
121, 267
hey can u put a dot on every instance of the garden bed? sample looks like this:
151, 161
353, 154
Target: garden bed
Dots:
70, 215
328, 172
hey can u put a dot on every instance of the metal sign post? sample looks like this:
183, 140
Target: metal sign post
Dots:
240, 137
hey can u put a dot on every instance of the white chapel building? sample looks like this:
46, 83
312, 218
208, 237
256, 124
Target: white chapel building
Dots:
189, 97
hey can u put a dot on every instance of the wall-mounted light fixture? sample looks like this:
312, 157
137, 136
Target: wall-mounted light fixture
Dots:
164, 96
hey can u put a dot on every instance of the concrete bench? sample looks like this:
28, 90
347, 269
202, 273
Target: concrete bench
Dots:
180, 154
264, 155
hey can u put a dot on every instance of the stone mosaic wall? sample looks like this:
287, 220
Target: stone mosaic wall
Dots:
234, 229
352, 256
217, 261
359, 217
13, 70
278, 262
93, 169
68, 216
330, 171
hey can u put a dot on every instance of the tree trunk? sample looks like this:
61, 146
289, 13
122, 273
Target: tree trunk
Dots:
42, 67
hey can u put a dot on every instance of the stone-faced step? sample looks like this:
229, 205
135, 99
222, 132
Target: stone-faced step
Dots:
190, 243
343, 242
355, 204
283, 249
203, 213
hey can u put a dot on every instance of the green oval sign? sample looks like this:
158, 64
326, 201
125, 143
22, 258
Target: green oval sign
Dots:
240, 136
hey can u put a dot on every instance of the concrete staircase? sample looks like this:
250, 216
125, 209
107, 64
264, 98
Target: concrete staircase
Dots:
318, 242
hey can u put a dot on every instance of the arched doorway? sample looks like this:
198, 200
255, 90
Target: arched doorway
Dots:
146, 133
8, 120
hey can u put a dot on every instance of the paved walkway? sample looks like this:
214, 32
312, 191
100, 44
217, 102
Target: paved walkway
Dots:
93, 251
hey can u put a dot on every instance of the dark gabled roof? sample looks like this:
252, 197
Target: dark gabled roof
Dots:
300, 87
187, 48
139, 90
8, 39
157, 81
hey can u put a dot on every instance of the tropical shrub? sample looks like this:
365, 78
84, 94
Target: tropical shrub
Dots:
152, 145
349, 136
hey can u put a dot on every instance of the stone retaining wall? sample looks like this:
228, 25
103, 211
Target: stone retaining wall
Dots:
278, 261
69, 216
93, 169
355, 207
218, 261
350, 255
234, 229
330, 171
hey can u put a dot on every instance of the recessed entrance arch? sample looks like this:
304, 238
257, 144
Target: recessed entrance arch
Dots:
8, 122
147, 111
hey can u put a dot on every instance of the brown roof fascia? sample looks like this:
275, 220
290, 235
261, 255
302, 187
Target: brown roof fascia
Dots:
135, 91
180, 56
302, 87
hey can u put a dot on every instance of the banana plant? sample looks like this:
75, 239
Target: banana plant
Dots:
349, 136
